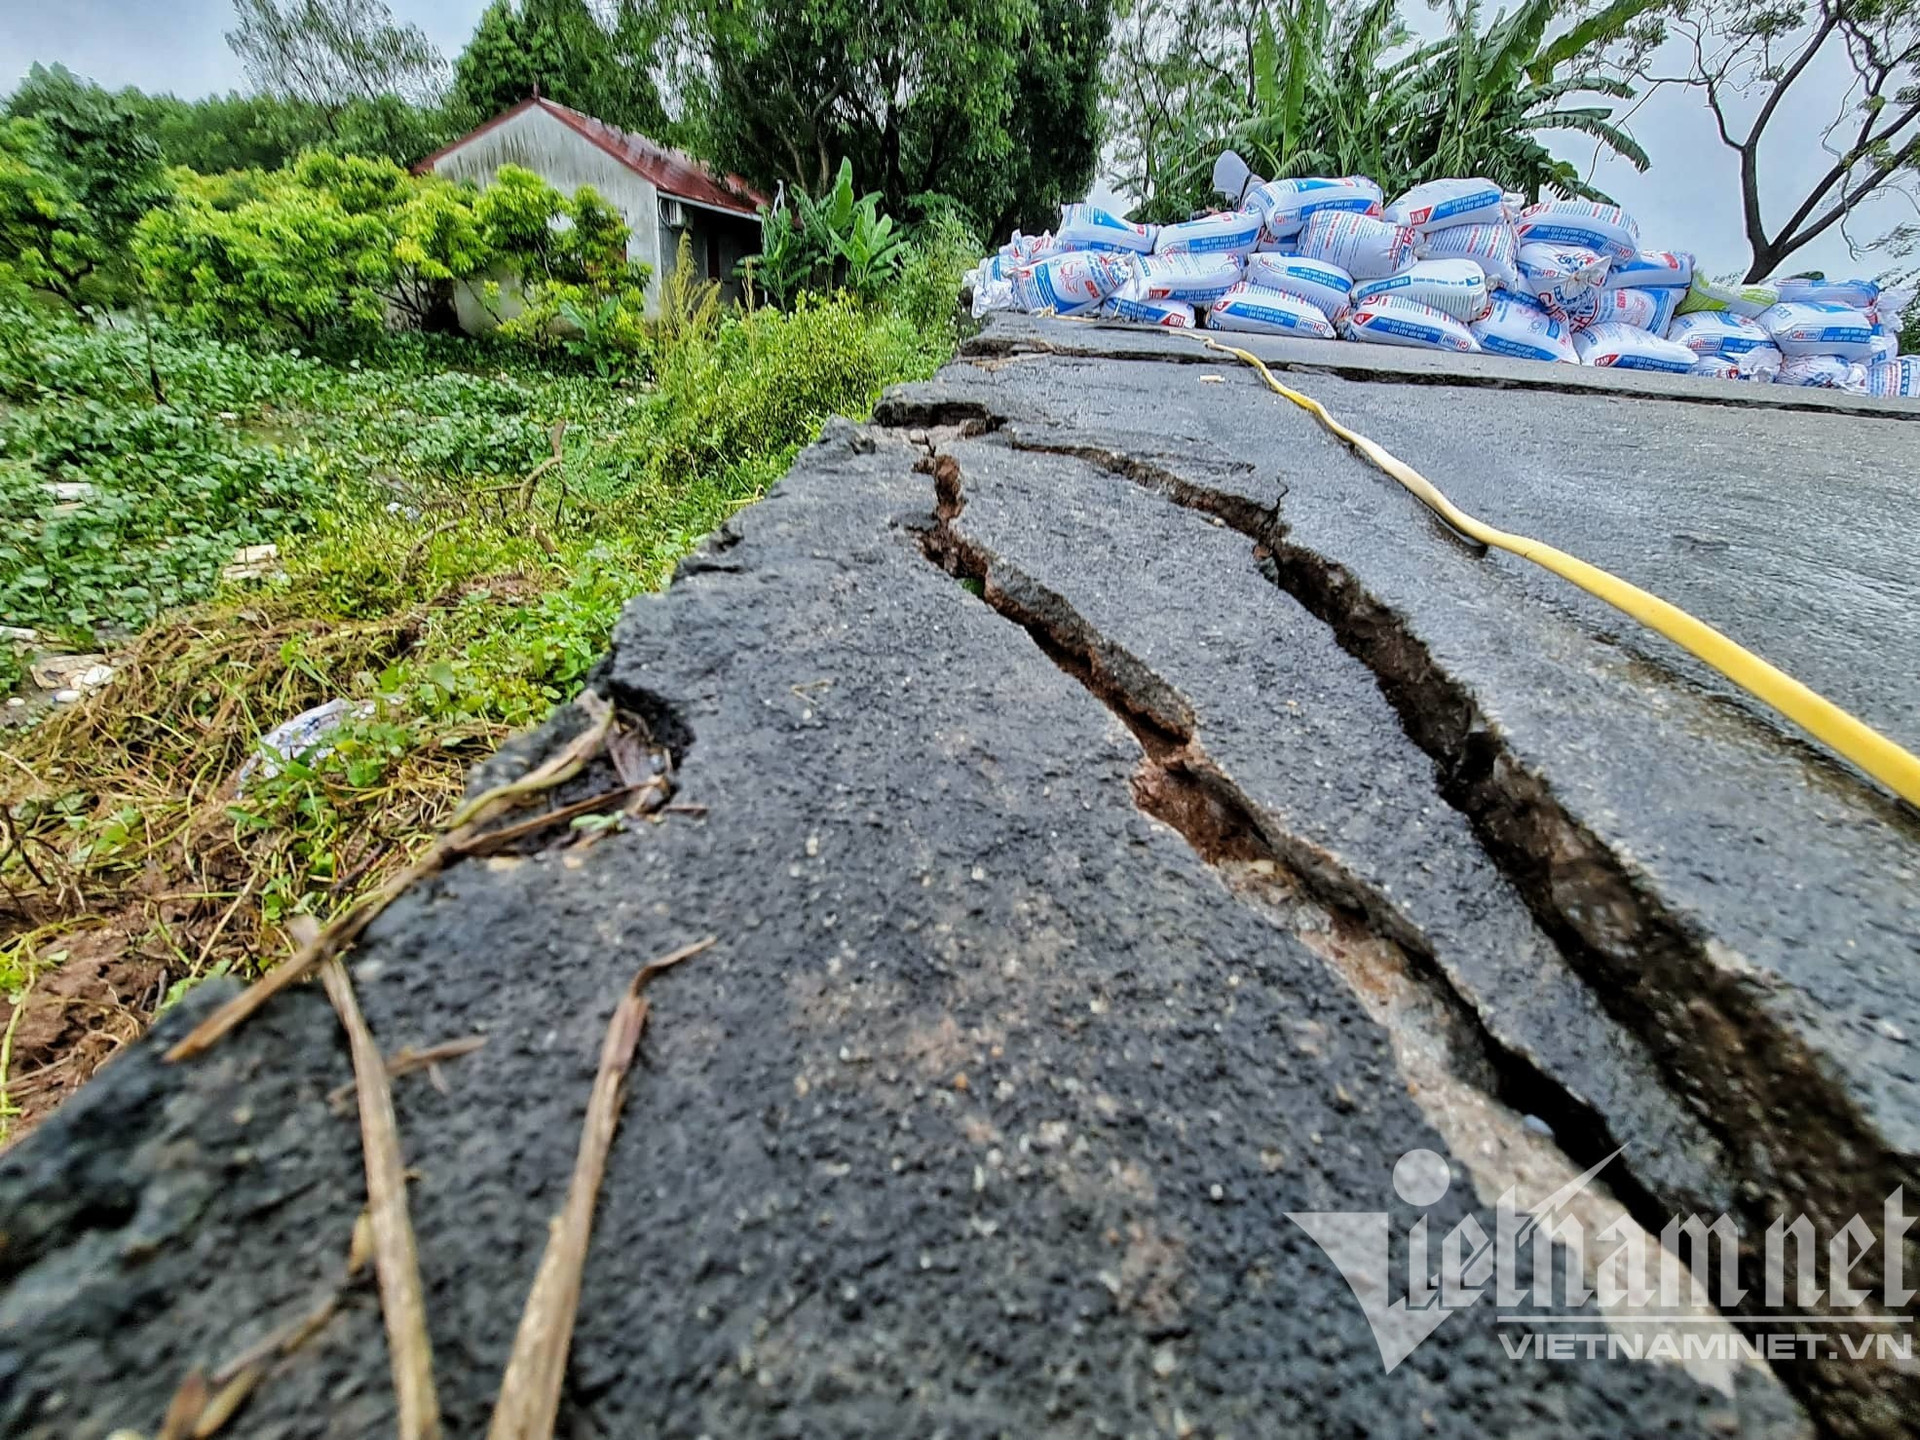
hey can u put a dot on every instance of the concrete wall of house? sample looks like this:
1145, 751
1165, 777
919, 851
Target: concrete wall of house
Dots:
536, 141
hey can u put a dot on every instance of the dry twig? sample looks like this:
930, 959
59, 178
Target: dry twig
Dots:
529, 1398
395, 1261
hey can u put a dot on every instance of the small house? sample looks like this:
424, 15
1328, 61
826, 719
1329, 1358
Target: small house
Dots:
662, 193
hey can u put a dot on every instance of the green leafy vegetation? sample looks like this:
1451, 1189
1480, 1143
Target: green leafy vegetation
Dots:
1339, 87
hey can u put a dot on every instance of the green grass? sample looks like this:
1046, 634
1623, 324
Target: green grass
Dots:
418, 575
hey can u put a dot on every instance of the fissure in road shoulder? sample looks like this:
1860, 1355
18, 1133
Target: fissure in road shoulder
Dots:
1801, 1144
1342, 918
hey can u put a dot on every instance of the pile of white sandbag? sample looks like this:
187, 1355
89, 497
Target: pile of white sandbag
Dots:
1454, 265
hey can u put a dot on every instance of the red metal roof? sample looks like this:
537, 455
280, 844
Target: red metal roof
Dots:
672, 173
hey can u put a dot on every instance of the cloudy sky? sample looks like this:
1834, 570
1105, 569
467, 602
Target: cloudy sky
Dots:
1689, 199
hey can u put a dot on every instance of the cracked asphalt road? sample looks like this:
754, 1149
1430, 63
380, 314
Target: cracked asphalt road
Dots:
1127, 820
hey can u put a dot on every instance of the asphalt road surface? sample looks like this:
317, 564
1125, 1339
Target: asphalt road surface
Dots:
1128, 822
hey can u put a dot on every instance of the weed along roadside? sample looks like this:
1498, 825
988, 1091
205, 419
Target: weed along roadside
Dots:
455, 525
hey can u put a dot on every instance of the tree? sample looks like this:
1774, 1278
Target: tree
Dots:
328, 52
1752, 59
561, 49
97, 149
1332, 88
921, 97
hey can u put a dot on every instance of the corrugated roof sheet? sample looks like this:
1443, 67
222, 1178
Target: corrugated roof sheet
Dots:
672, 173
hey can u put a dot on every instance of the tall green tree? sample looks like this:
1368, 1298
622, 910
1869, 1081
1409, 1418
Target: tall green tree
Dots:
328, 52
570, 54
1842, 75
99, 150
1338, 87
986, 101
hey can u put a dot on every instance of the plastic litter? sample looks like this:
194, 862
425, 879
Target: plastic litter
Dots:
1365, 248
1813, 328
1453, 287
1622, 347
1234, 233
1492, 247
1718, 332
1558, 276
1320, 283
1088, 227
1285, 206
1517, 327
305, 735
1441, 204
1171, 314
1268, 312
1585, 224
1389, 320
1652, 270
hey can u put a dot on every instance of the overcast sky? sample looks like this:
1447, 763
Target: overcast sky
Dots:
1688, 200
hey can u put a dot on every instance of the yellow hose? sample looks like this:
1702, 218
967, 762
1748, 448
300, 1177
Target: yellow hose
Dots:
1897, 769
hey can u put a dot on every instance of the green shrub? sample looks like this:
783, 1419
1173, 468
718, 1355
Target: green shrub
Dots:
333, 249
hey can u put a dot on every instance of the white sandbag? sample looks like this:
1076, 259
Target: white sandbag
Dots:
1585, 224
1761, 363
1823, 372
1649, 310
1088, 227
1855, 294
1453, 287
1070, 283
1491, 247
1886, 346
991, 295
1895, 379
1025, 249
1365, 248
1814, 328
1196, 279
1285, 206
1621, 347
1170, 314
1559, 275
1748, 300
1516, 326
1715, 367
1442, 204
1268, 312
1320, 283
1232, 233
1652, 270
1389, 320
1717, 332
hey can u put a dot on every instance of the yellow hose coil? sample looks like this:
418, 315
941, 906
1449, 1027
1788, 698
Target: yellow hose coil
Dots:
1897, 769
